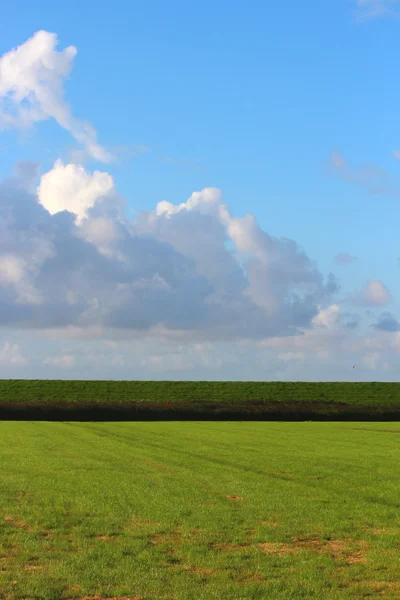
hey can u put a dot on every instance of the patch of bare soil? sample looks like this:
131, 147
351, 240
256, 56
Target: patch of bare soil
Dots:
138, 522
234, 497
106, 538
338, 549
383, 531
172, 541
195, 531
280, 549
230, 547
381, 587
108, 598
18, 524
250, 577
173, 538
33, 568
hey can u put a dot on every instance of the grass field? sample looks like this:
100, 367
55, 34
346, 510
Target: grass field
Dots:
204, 511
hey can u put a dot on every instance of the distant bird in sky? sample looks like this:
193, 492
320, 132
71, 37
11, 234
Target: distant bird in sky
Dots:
354, 366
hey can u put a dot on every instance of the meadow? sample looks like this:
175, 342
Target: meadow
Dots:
195, 510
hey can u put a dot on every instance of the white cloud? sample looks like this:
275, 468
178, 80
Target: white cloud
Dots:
327, 317
101, 232
318, 353
66, 360
374, 293
371, 360
12, 269
31, 90
70, 187
368, 176
290, 356
329, 349
208, 201
10, 355
370, 9
14, 273
191, 268
184, 288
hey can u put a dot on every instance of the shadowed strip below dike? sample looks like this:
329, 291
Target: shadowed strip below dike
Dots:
272, 411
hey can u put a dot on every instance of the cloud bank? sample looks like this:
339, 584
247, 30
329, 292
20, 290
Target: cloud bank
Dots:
70, 257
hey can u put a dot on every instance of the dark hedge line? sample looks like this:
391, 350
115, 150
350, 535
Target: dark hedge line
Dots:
273, 411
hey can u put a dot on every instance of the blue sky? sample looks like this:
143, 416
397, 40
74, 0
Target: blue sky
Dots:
290, 109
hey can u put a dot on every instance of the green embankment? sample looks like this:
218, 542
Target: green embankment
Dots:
109, 400
50, 391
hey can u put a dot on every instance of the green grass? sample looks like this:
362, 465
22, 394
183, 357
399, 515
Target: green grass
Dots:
55, 391
180, 511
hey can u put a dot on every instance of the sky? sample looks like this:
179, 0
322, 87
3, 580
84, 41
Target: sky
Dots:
202, 191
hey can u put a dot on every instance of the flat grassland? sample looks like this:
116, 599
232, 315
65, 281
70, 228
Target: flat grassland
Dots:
139, 400
202, 511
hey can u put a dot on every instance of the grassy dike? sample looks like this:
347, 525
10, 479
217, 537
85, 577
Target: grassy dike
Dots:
200, 400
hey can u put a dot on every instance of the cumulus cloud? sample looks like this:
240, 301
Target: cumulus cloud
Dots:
370, 9
69, 257
374, 293
31, 90
344, 258
70, 187
184, 287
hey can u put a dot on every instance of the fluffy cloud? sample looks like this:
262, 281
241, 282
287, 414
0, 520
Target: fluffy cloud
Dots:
70, 257
31, 90
374, 293
185, 288
71, 188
